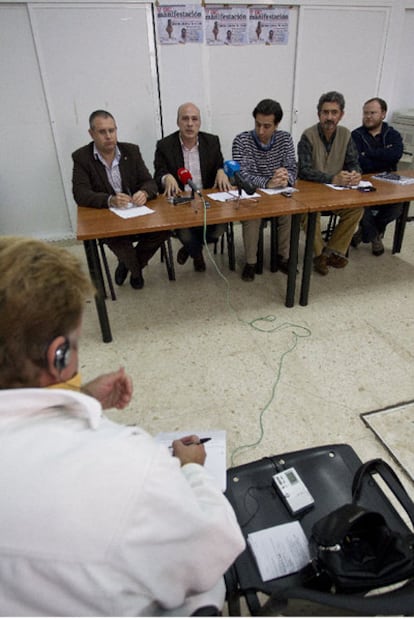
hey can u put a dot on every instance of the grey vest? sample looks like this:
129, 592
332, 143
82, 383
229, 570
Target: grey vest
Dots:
332, 162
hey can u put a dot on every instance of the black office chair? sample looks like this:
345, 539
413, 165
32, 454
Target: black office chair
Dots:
332, 221
328, 472
166, 256
206, 611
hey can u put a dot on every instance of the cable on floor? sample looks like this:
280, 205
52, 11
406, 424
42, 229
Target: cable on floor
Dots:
259, 324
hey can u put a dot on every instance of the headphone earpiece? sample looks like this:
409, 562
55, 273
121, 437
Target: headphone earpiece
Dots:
62, 356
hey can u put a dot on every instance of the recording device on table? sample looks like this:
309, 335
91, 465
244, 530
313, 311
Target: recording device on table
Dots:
232, 169
293, 491
366, 189
180, 200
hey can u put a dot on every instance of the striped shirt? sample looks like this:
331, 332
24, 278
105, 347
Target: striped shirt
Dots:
258, 164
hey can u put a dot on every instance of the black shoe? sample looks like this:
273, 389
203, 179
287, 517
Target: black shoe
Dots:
182, 255
199, 264
377, 246
249, 272
137, 282
121, 273
283, 264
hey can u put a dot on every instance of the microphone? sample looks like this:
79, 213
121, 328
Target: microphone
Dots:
232, 169
185, 178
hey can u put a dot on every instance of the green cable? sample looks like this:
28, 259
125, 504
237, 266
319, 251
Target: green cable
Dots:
298, 331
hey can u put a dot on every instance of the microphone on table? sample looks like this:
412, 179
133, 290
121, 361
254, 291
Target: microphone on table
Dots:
185, 178
232, 169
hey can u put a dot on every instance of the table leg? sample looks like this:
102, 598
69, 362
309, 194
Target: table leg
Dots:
293, 260
307, 259
94, 266
273, 244
400, 228
230, 246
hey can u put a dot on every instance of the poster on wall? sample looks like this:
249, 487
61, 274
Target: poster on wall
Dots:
268, 26
180, 24
226, 25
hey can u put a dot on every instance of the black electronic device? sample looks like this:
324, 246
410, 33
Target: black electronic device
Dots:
181, 199
62, 356
366, 189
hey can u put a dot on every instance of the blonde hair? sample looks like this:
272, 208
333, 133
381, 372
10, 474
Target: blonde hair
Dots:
42, 294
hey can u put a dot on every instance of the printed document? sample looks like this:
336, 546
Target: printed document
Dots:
279, 550
231, 196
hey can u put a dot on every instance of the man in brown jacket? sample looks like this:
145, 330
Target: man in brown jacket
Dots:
108, 173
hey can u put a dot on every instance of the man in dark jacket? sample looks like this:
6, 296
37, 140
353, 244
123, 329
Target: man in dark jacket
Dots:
108, 173
380, 148
200, 154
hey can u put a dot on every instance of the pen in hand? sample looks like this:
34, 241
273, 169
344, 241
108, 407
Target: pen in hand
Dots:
201, 442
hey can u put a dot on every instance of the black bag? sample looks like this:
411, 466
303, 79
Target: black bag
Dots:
354, 550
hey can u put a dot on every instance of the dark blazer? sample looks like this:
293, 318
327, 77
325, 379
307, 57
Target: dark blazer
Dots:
90, 183
169, 158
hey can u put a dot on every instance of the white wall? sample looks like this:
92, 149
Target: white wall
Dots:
60, 60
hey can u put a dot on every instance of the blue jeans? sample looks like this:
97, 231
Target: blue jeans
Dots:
376, 218
193, 238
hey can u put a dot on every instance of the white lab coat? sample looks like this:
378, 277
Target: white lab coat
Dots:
96, 518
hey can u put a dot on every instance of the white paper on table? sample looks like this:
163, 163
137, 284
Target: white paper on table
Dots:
279, 550
221, 196
215, 462
341, 188
230, 196
131, 211
273, 192
390, 178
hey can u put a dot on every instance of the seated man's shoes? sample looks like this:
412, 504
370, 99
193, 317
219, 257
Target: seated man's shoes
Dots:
320, 264
282, 264
121, 273
199, 264
337, 262
249, 272
182, 255
137, 281
377, 246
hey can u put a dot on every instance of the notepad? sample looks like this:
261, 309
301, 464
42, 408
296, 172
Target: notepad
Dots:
215, 462
279, 550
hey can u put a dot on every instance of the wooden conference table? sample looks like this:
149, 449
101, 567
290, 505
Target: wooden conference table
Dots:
319, 198
94, 224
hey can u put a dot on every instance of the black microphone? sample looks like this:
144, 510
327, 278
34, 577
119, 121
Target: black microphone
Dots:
232, 169
185, 178
242, 183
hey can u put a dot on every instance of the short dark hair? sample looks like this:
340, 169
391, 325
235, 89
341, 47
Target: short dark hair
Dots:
43, 289
267, 107
331, 97
101, 114
383, 104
